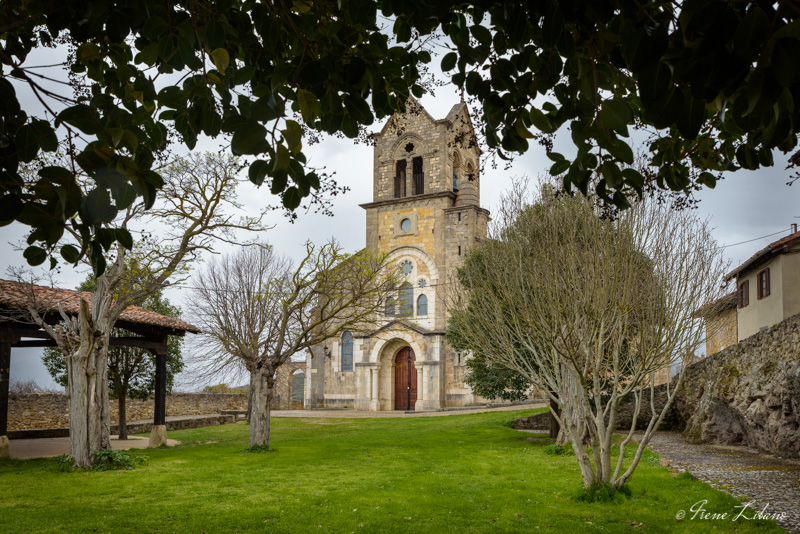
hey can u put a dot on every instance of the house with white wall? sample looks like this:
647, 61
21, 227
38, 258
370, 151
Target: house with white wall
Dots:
767, 286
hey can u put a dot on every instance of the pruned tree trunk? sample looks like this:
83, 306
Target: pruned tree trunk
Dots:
123, 416
555, 428
87, 369
574, 419
262, 392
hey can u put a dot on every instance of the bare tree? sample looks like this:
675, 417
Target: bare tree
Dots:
589, 310
197, 210
257, 309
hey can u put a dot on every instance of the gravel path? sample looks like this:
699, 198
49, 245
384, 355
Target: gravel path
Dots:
746, 474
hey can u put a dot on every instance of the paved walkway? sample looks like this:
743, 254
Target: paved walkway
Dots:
746, 474
39, 448
353, 414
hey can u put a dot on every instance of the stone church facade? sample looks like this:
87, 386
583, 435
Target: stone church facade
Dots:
426, 215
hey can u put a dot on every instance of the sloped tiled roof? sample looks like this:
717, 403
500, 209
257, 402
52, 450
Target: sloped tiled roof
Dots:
17, 295
718, 306
762, 254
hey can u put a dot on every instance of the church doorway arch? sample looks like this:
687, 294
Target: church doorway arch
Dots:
405, 380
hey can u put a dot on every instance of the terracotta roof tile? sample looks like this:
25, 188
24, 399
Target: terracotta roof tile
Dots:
15, 294
761, 254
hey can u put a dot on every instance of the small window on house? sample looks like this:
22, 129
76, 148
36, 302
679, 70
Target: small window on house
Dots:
744, 293
455, 183
459, 250
419, 177
406, 300
347, 351
422, 305
400, 179
406, 267
763, 284
405, 225
390, 307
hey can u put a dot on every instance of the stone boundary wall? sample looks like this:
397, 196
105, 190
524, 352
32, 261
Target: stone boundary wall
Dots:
50, 410
746, 394
625, 410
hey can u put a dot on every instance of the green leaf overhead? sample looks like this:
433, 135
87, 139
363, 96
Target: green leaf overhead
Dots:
708, 77
244, 68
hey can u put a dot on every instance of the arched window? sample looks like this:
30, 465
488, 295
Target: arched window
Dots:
456, 170
347, 351
400, 179
422, 305
390, 307
406, 300
418, 185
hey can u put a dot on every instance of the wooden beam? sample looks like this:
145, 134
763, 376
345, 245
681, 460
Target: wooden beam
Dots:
160, 408
135, 342
5, 365
38, 334
35, 343
149, 330
138, 343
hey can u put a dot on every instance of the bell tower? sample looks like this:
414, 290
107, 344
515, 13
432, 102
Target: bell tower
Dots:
426, 188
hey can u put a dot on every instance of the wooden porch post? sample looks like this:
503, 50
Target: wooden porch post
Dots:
5, 366
158, 434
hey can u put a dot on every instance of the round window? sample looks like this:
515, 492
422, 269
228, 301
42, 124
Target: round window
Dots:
405, 225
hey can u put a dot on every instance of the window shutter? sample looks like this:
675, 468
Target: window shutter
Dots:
744, 293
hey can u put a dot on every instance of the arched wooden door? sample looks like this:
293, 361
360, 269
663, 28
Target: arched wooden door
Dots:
405, 380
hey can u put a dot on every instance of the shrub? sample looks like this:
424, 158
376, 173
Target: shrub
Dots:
219, 388
602, 493
111, 460
25, 387
559, 450
260, 448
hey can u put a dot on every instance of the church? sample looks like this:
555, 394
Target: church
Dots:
426, 214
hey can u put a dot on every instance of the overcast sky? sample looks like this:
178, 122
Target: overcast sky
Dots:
745, 206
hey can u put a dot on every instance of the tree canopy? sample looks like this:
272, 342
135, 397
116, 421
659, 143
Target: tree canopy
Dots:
712, 85
142, 72
588, 310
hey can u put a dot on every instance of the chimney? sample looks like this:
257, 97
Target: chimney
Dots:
794, 228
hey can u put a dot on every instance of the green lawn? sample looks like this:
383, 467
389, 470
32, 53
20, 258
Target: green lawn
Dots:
462, 473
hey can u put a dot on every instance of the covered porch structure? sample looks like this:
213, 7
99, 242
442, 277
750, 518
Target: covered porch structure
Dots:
149, 330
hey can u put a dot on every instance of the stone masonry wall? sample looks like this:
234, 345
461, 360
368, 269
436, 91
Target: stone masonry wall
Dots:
50, 410
747, 394
721, 331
